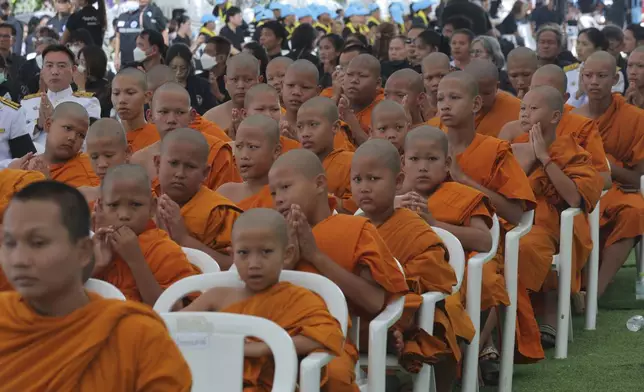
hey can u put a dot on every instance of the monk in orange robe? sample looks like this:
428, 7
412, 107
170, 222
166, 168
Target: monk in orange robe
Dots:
434, 67
377, 175
346, 249
301, 83
389, 121
562, 175
133, 254
406, 87
522, 64
362, 92
317, 124
621, 127
130, 93
256, 148
264, 99
194, 216
54, 335
635, 92
303, 314
171, 110
242, 73
586, 134
347, 54
275, 73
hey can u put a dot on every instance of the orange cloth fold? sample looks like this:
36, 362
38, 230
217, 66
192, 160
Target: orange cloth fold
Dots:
289, 144
140, 138
297, 310
209, 128
261, 199
506, 108
107, 345
364, 116
327, 92
222, 163
337, 166
75, 172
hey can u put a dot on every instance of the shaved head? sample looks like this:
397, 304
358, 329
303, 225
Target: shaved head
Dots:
323, 105
127, 172
305, 162
523, 55
70, 109
139, 76
388, 106
263, 219
189, 136
366, 61
269, 126
482, 70
550, 95
107, 128
425, 132
435, 60
382, 150
281, 61
159, 75
550, 75
171, 87
304, 68
257, 89
465, 79
407, 76
243, 60
602, 57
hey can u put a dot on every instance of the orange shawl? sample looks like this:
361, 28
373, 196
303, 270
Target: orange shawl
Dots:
327, 92
209, 128
364, 116
289, 144
337, 166
299, 312
12, 181
107, 345
261, 199
506, 108
75, 172
140, 138
222, 163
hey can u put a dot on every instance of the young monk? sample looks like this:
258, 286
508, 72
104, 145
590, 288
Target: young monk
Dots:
522, 64
194, 216
161, 74
376, 173
131, 252
63, 159
130, 94
405, 86
275, 72
300, 85
389, 121
264, 99
171, 110
621, 127
346, 249
562, 176
242, 74
57, 336
261, 249
361, 93
434, 66
635, 92
256, 148
317, 123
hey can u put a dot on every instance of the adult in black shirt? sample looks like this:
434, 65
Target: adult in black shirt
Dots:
13, 60
130, 25
183, 31
233, 31
544, 14
59, 22
480, 20
6, 17
9, 88
272, 36
302, 42
179, 59
90, 76
88, 18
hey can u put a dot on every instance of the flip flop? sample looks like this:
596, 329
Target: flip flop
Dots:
489, 365
548, 336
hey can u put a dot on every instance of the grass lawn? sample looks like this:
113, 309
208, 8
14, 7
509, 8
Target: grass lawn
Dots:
609, 359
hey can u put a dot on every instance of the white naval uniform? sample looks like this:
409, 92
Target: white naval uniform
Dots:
573, 72
31, 106
12, 125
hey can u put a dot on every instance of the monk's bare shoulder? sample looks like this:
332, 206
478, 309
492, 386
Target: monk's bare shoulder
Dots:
582, 111
220, 115
510, 130
234, 191
217, 298
145, 158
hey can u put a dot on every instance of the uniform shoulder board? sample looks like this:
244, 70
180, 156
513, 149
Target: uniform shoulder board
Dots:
83, 94
619, 69
10, 103
571, 67
30, 96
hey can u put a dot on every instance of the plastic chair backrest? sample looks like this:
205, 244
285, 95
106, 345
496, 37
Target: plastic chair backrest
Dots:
322, 286
456, 255
201, 260
495, 233
213, 345
104, 289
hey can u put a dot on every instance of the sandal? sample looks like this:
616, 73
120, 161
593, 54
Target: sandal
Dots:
548, 336
489, 365
578, 302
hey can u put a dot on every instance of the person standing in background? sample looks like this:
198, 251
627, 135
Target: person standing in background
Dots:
131, 24
7, 17
543, 14
233, 29
89, 18
59, 22
633, 37
13, 60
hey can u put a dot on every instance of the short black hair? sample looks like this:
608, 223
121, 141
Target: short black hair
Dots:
58, 48
466, 32
220, 43
459, 22
74, 211
355, 48
613, 32
155, 39
9, 26
277, 28
303, 38
95, 61
637, 30
45, 31
232, 11
81, 35
336, 41
596, 37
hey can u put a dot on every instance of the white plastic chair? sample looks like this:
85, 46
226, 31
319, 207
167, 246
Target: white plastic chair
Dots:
474, 283
593, 269
511, 273
640, 254
201, 260
213, 345
310, 367
104, 289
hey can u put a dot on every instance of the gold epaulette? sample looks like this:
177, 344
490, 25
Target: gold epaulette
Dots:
83, 94
10, 103
571, 67
30, 96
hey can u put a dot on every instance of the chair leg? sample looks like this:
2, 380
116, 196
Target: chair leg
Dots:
424, 380
593, 273
563, 305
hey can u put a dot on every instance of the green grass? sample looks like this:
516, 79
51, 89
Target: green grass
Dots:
609, 359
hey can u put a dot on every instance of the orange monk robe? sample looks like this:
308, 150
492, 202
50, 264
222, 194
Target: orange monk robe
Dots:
289, 144
343, 139
352, 241
364, 116
327, 92
209, 128
75, 172
337, 166
506, 108
107, 345
165, 258
622, 130
261, 199
222, 164
140, 138
423, 256
537, 248
299, 312
436, 123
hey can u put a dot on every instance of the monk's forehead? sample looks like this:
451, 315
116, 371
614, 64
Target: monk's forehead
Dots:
364, 64
243, 69
122, 183
173, 98
262, 96
598, 64
301, 74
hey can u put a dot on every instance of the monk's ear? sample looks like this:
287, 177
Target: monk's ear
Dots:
337, 127
147, 96
277, 151
128, 153
243, 113
422, 97
321, 183
153, 207
157, 163
193, 114
478, 104
85, 253
379, 81
318, 89
48, 124
402, 162
148, 114
289, 255
448, 161
400, 180
260, 79
556, 117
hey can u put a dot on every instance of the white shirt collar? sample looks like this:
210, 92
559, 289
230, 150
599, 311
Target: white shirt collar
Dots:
56, 97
